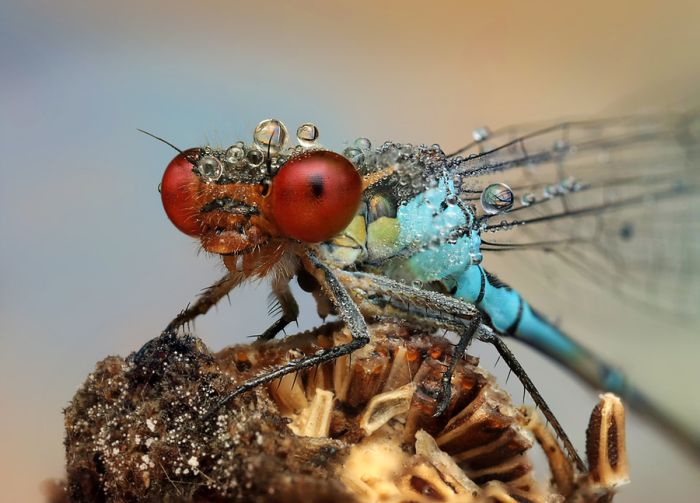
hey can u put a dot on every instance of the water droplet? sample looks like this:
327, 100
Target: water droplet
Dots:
354, 154
209, 168
568, 184
160, 186
255, 157
527, 199
417, 284
279, 160
560, 145
362, 144
496, 198
451, 199
389, 156
307, 134
271, 134
481, 133
549, 192
235, 154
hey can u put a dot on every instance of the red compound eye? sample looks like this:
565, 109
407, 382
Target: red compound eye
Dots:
176, 193
315, 195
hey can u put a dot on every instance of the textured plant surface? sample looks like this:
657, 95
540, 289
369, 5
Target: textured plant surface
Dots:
358, 429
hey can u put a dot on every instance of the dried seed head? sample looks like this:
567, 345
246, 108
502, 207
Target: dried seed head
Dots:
605, 444
380, 403
360, 428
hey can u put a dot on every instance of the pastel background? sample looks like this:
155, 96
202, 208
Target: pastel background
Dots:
90, 266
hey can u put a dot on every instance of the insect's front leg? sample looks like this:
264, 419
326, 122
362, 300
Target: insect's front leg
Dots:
286, 302
348, 311
213, 294
207, 299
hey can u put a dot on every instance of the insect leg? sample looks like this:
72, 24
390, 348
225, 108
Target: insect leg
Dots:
209, 297
290, 309
444, 310
549, 340
465, 339
347, 310
512, 362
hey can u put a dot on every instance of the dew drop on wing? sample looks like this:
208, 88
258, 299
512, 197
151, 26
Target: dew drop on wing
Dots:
602, 238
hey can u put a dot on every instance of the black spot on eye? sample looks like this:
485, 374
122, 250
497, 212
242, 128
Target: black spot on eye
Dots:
316, 182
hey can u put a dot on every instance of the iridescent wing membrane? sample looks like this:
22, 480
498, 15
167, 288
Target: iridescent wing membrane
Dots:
615, 200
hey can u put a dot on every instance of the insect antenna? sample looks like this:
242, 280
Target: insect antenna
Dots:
268, 159
159, 139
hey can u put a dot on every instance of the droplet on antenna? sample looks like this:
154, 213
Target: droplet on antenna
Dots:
270, 134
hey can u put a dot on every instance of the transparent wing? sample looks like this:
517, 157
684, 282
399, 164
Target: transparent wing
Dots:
615, 201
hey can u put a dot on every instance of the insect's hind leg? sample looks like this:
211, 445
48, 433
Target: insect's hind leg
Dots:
519, 371
208, 298
347, 310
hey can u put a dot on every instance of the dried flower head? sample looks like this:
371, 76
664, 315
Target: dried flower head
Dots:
360, 428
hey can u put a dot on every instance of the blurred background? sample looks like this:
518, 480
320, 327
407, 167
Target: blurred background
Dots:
90, 266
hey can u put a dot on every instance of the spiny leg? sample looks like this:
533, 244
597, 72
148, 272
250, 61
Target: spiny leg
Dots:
290, 309
381, 297
209, 297
213, 294
465, 338
519, 371
348, 311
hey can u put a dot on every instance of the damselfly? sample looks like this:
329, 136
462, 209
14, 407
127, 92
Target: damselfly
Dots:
404, 232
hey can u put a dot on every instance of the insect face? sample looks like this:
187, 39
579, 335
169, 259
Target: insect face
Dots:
238, 199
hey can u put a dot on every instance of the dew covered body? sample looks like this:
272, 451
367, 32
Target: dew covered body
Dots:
433, 242
613, 199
